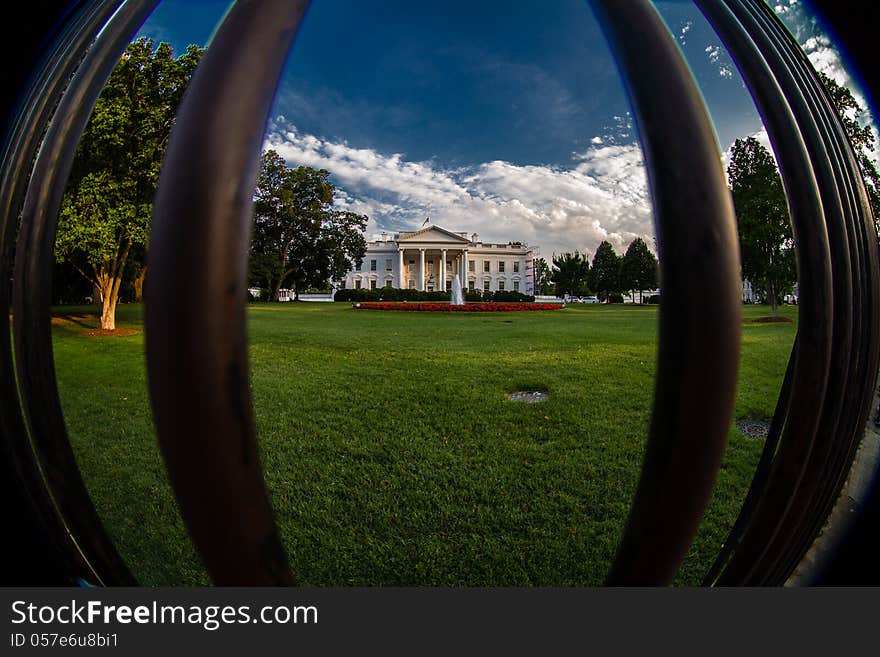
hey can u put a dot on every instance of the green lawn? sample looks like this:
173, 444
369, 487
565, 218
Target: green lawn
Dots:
392, 454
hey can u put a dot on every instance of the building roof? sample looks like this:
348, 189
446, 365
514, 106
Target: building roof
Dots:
433, 234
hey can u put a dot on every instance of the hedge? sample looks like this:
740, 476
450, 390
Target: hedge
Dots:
398, 294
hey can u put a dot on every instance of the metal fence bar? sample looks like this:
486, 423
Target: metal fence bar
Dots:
766, 564
845, 426
195, 295
701, 311
32, 294
794, 138
20, 147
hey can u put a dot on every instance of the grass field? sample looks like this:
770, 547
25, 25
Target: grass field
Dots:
392, 454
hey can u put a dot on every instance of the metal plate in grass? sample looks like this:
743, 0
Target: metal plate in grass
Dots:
528, 396
754, 429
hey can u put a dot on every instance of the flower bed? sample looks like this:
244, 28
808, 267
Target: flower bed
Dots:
448, 307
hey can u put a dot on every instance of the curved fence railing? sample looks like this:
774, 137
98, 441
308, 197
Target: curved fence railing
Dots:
197, 342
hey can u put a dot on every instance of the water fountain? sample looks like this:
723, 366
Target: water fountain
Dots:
457, 298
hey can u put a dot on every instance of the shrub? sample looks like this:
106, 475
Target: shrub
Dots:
654, 298
398, 294
615, 297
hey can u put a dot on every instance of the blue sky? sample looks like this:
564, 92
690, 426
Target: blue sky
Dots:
504, 118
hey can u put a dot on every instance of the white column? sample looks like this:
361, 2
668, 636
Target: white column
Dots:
443, 270
464, 269
422, 270
402, 272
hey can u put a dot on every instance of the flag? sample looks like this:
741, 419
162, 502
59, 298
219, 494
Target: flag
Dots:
427, 219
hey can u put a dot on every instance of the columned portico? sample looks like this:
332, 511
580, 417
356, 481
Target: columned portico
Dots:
443, 270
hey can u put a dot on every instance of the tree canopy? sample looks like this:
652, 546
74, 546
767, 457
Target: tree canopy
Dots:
570, 273
108, 203
605, 273
299, 238
763, 224
861, 138
638, 269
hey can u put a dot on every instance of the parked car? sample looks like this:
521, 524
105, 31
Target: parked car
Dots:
590, 300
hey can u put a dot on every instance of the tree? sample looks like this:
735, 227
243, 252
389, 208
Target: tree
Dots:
861, 138
570, 273
638, 269
763, 224
605, 273
107, 206
299, 239
543, 277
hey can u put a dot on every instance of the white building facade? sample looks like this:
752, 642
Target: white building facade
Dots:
428, 260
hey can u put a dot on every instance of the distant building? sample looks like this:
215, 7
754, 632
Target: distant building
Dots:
429, 258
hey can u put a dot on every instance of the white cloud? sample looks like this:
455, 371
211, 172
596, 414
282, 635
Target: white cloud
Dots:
602, 195
685, 28
822, 53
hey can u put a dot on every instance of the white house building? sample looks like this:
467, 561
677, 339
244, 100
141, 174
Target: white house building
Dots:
428, 260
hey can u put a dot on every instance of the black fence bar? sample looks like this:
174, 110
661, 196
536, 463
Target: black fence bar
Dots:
52, 454
701, 311
785, 115
846, 425
195, 295
837, 433
20, 147
833, 437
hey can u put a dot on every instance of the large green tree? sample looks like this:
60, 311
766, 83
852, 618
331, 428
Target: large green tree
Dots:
570, 273
763, 223
605, 272
543, 277
860, 136
638, 269
299, 238
108, 203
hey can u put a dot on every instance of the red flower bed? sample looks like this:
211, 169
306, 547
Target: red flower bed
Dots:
448, 308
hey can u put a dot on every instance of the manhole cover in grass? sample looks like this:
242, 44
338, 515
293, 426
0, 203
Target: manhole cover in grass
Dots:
756, 429
528, 396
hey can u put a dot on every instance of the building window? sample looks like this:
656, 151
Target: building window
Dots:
449, 264
372, 265
411, 284
430, 266
485, 286
372, 285
485, 265
388, 265
516, 266
357, 284
501, 285
516, 286
501, 266
388, 283
472, 266
471, 285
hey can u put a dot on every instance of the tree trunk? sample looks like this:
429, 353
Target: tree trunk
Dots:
771, 299
139, 285
108, 312
108, 300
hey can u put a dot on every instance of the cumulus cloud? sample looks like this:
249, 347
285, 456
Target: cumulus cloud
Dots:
822, 53
602, 195
685, 28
